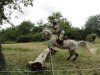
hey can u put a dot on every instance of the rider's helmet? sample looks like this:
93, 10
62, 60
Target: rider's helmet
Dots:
54, 23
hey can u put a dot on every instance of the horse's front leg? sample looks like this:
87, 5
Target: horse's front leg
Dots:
51, 47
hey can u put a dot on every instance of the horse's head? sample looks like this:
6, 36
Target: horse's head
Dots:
46, 33
49, 34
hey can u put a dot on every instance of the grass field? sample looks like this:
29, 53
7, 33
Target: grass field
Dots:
17, 55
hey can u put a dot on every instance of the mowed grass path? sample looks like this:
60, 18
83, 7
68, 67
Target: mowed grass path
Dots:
17, 55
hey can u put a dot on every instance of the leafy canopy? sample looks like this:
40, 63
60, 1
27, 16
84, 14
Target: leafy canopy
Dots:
13, 5
93, 25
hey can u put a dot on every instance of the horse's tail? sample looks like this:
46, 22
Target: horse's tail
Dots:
83, 44
87, 46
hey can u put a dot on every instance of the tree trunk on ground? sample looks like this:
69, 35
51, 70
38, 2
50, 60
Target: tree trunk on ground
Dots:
40, 61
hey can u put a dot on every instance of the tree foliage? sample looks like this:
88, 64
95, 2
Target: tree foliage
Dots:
25, 27
93, 25
9, 34
91, 37
71, 32
55, 16
24, 32
63, 22
24, 38
13, 5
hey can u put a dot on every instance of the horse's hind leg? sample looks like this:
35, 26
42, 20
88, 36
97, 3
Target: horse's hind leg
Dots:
70, 55
76, 55
72, 52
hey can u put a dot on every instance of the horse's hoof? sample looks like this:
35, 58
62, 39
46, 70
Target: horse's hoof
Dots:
74, 60
54, 51
67, 59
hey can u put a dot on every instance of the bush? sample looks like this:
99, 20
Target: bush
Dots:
24, 39
28, 38
38, 37
91, 37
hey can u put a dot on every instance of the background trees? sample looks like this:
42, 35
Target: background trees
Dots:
24, 32
63, 22
25, 27
93, 25
28, 30
71, 32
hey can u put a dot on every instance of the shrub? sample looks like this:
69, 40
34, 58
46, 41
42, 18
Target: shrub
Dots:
38, 37
23, 38
91, 37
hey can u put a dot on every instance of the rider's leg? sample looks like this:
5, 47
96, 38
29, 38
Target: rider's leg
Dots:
60, 36
60, 40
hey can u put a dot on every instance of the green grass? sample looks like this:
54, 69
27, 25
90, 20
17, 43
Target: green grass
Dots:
17, 55
97, 40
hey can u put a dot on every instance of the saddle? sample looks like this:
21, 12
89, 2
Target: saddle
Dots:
65, 37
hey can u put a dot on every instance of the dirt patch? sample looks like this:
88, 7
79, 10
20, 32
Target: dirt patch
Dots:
93, 50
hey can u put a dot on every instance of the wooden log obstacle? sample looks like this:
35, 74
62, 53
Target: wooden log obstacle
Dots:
40, 62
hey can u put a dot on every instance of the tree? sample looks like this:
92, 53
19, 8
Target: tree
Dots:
93, 25
10, 4
71, 32
55, 16
91, 38
25, 27
63, 22
9, 34
76, 33
13, 5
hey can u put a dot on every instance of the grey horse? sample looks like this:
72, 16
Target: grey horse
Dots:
69, 44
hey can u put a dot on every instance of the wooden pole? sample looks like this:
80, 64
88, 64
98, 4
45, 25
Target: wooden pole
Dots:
40, 61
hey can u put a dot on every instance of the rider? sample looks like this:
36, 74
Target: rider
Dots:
59, 31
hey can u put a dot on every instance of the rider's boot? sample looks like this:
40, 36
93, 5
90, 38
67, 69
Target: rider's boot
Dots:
60, 42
